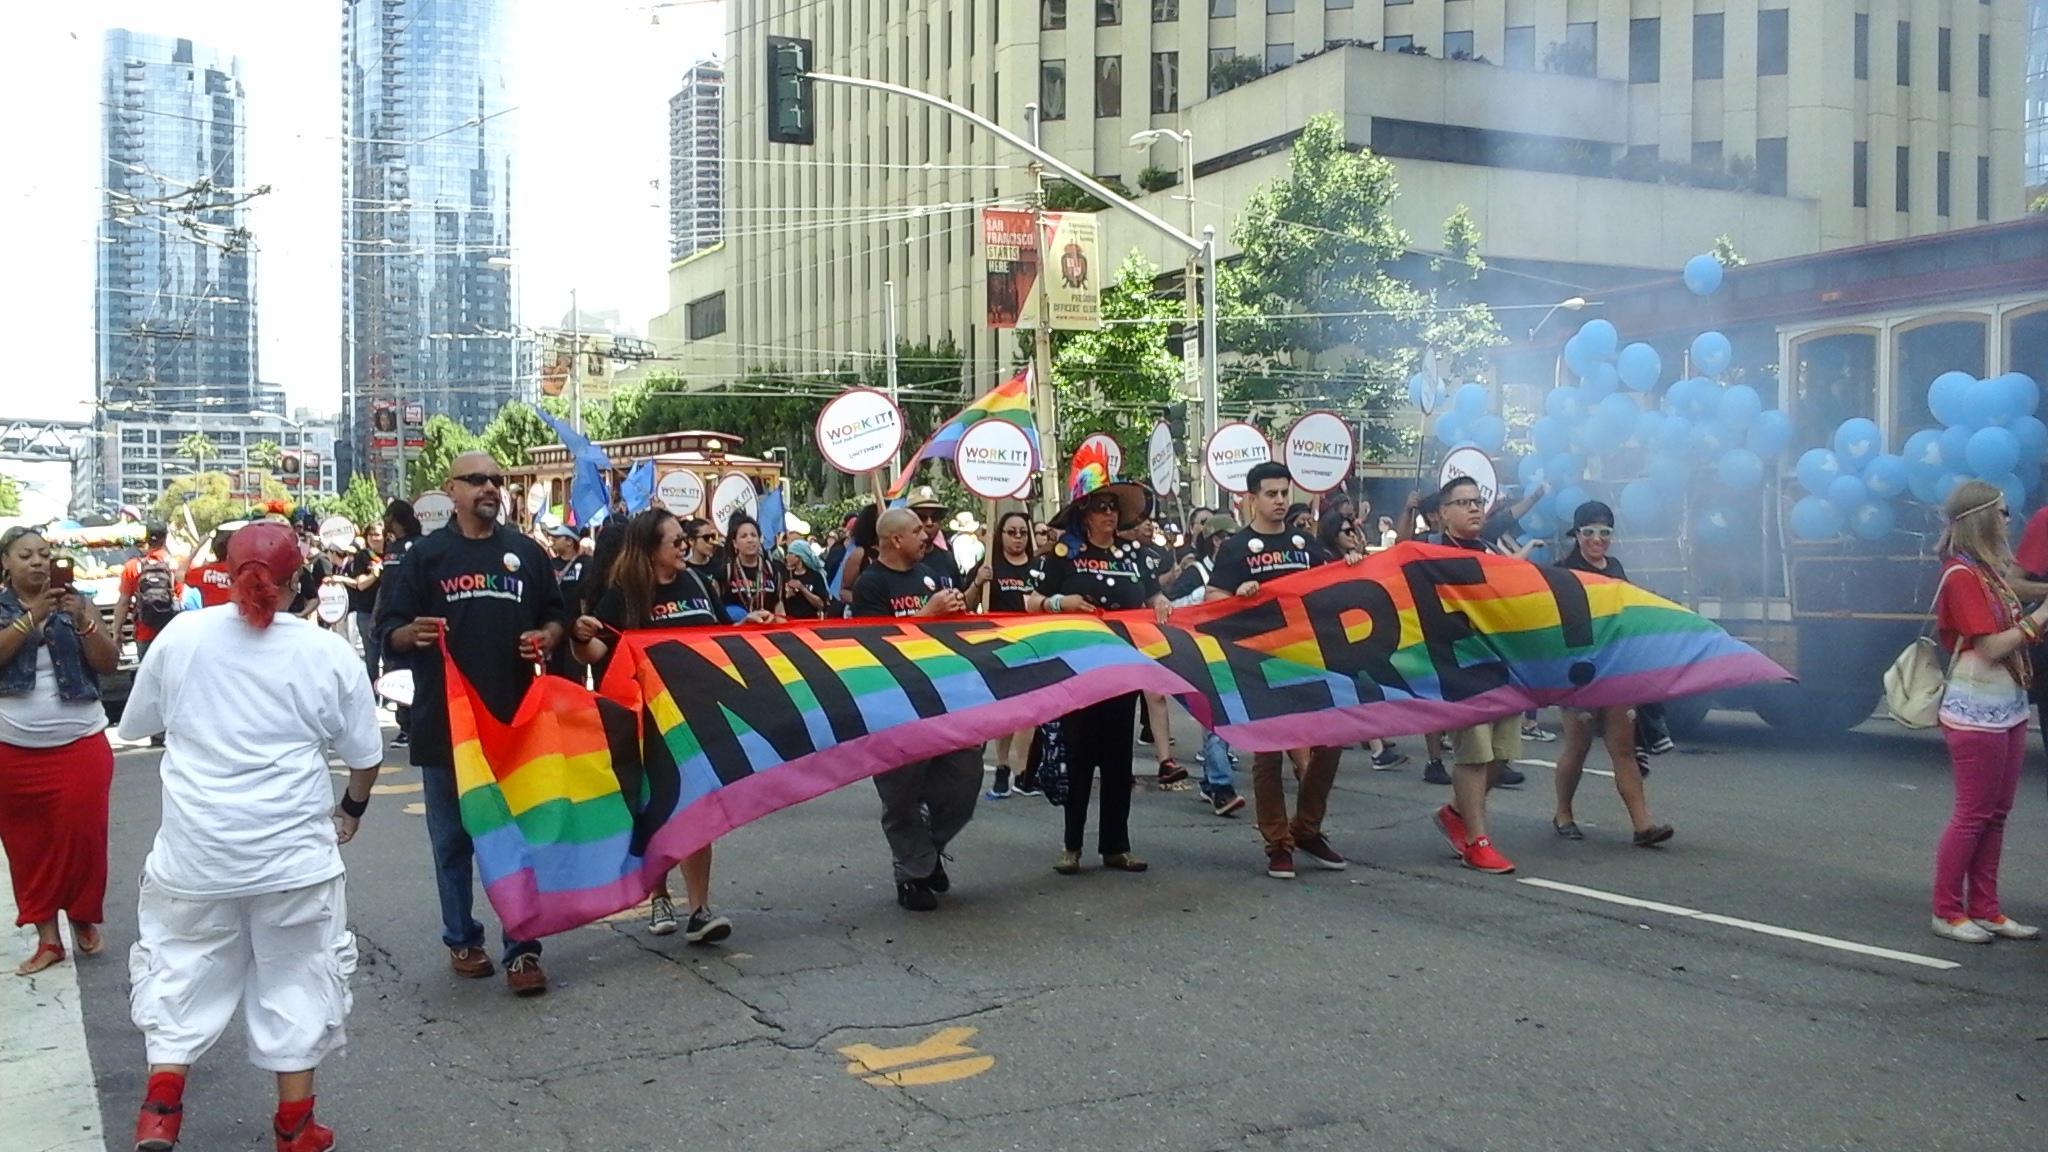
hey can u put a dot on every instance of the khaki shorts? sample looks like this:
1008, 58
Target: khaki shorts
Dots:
1484, 743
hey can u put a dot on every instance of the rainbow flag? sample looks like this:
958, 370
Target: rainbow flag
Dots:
1010, 400
574, 819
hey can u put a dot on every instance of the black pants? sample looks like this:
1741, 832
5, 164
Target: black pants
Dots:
1098, 739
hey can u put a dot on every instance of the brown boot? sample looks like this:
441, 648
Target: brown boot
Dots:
525, 976
471, 963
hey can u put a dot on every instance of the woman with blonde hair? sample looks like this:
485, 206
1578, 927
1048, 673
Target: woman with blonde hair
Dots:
1983, 712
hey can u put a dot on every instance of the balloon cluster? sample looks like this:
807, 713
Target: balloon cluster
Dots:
1989, 433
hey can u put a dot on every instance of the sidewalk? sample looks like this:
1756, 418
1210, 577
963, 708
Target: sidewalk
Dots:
47, 1101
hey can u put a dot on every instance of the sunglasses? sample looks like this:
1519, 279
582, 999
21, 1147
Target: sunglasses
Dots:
479, 479
1099, 506
1596, 532
931, 517
1015, 532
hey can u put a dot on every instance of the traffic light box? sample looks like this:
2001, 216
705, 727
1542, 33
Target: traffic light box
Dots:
790, 119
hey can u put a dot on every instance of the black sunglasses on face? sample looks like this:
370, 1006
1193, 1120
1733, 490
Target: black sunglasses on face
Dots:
479, 479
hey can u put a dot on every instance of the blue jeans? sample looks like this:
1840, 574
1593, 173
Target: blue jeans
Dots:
454, 857
1215, 765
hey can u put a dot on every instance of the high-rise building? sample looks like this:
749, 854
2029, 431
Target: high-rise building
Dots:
427, 251
2037, 96
1591, 141
174, 309
696, 195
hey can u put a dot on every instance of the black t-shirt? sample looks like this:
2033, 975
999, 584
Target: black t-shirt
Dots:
314, 574
941, 562
569, 576
883, 591
359, 566
1578, 563
684, 602
756, 589
1110, 578
489, 591
1263, 556
1450, 541
798, 608
1010, 583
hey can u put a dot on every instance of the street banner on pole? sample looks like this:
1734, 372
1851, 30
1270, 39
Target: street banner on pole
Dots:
1073, 242
1012, 264
384, 425
415, 427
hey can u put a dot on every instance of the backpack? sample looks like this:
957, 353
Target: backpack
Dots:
156, 594
1916, 681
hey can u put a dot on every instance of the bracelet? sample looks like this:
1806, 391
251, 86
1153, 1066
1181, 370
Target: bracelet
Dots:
353, 809
25, 623
1055, 602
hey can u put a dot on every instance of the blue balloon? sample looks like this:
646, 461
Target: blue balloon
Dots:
1740, 469
2015, 492
1946, 486
1847, 492
1702, 398
1814, 519
1564, 471
1873, 521
1857, 442
1992, 452
1567, 404
1488, 432
1674, 437
1886, 476
1550, 434
1419, 392
1449, 429
1539, 523
1770, 434
1739, 405
1639, 367
2033, 437
2026, 394
1947, 397
1649, 425
1604, 381
1529, 471
1711, 353
1670, 472
1600, 337
1921, 483
1817, 470
1703, 274
1923, 449
1568, 501
1714, 526
1580, 356
1985, 404
1469, 400
1642, 505
1710, 438
1604, 432
1955, 445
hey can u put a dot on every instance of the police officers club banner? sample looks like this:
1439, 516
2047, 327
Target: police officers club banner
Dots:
582, 802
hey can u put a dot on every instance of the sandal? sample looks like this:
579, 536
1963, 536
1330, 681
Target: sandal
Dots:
1569, 830
88, 939
1654, 835
37, 962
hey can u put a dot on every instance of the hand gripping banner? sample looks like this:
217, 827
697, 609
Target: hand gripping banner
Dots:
583, 801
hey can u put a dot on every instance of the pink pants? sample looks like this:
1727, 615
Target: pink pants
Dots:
1987, 770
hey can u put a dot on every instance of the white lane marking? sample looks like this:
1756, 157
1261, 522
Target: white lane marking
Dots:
1747, 925
1553, 767
47, 1100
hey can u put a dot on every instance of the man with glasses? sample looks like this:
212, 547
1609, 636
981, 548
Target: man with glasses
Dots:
931, 513
489, 593
1480, 754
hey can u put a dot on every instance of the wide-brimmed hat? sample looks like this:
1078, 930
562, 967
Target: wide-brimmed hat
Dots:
1133, 500
963, 523
923, 497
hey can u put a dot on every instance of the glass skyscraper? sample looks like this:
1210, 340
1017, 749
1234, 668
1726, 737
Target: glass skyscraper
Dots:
426, 243
174, 304
2037, 95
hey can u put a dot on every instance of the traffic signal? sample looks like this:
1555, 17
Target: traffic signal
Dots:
789, 91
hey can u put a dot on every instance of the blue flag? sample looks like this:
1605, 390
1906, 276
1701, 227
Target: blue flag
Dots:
577, 443
637, 489
773, 519
589, 496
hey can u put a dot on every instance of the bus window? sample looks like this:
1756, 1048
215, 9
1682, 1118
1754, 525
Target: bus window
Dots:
1919, 355
2026, 344
1834, 378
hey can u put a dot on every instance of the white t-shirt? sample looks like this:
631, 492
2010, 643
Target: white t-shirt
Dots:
43, 719
248, 717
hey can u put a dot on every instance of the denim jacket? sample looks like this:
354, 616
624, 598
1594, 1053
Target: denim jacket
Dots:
75, 680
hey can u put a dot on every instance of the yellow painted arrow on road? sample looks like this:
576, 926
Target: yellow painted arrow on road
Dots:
939, 1059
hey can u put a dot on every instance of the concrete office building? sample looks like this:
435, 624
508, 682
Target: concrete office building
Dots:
2037, 96
139, 458
696, 193
1591, 139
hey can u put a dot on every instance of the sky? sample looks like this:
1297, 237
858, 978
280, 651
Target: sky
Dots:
591, 81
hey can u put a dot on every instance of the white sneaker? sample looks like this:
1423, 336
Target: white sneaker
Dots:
1961, 931
2009, 928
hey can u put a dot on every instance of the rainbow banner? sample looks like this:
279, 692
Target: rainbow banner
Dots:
1010, 400
577, 809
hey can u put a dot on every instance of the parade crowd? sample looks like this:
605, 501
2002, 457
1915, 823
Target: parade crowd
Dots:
250, 680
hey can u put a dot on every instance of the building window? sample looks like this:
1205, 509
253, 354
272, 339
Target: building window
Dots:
1219, 56
1279, 55
1984, 67
1770, 165
1052, 14
1645, 50
1518, 50
1706, 46
1109, 87
1902, 179
1458, 46
1165, 82
1219, 9
1859, 175
705, 317
1109, 12
1905, 52
1983, 187
1052, 89
1941, 184
1390, 44
1279, 7
1337, 3
1862, 46
1706, 153
1165, 11
1943, 38
1772, 46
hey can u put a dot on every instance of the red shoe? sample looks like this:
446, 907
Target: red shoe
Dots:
1453, 827
1480, 857
309, 1136
163, 1112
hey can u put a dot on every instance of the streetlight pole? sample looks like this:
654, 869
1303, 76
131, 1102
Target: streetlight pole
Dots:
1044, 403
1191, 277
575, 364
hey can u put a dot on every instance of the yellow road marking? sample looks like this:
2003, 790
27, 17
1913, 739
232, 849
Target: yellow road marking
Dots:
938, 1059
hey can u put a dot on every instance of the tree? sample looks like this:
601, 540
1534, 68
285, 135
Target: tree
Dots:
1066, 196
360, 502
1724, 251
515, 429
10, 496
1227, 74
1157, 179
445, 440
198, 449
210, 498
1118, 378
265, 454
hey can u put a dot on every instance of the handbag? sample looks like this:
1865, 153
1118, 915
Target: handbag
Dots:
1916, 681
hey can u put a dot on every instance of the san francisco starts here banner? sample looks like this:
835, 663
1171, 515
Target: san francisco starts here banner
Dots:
581, 802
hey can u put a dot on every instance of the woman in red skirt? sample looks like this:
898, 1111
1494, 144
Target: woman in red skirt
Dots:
55, 765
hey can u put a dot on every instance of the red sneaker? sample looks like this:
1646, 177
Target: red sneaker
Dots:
1480, 857
1453, 827
309, 1136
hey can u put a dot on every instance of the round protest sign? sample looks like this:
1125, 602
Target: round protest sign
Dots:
1162, 460
681, 491
1234, 449
536, 498
333, 603
860, 431
1469, 461
1111, 451
1319, 451
994, 459
735, 493
338, 534
434, 509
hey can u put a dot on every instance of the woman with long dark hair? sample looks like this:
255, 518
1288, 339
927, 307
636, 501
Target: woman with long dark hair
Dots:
55, 763
753, 595
1006, 572
653, 586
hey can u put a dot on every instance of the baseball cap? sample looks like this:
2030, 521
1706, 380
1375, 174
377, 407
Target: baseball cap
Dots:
270, 543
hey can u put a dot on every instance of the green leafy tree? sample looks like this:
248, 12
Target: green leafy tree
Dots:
10, 496
210, 498
1319, 311
445, 440
360, 502
1724, 251
1118, 378
198, 449
515, 429
265, 454
1064, 196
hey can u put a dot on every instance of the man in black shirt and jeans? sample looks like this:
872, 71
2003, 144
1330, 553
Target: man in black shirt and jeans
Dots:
924, 804
490, 594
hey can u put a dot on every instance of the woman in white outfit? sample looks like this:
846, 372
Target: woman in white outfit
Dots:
242, 895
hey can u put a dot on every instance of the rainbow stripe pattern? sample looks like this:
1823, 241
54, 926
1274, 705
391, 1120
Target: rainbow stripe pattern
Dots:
581, 802
1010, 400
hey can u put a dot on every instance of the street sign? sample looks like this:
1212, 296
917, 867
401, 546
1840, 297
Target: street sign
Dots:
1233, 450
860, 431
994, 459
1162, 460
1319, 450
680, 491
1469, 461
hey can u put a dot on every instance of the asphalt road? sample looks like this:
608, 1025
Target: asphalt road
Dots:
1405, 1003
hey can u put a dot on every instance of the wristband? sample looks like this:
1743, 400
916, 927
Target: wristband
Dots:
1055, 602
353, 809
22, 622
